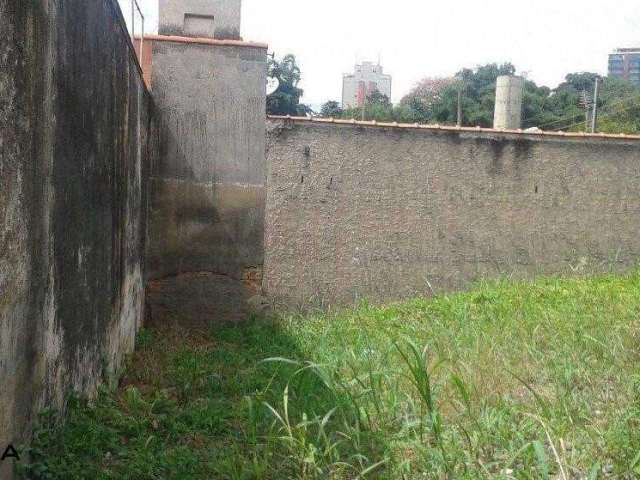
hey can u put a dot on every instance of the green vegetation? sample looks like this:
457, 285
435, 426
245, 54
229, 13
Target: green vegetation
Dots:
331, 109
511, 380
286, 99
435, 100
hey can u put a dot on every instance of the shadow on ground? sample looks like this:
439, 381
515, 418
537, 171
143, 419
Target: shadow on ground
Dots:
193, 401
197, 300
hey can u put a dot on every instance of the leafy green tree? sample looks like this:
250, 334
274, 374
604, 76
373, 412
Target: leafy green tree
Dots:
331, 109
564, 108
377, 107
286, 99
579, 82
419, 104
619, 107
479, 93
535, 105
436, 100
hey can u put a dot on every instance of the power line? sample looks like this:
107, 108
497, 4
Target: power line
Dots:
557, 121
602, 115
620, 110
568, 127
635, 96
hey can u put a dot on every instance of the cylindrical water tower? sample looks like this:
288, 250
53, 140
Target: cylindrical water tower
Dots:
508, 112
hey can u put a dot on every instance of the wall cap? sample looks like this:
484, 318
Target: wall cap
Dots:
416, 126
203, 41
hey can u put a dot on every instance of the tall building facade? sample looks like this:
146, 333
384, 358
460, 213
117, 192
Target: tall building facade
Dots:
625, 63
366, 79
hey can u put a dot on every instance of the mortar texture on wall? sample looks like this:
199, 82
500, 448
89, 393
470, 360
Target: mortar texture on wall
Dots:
208, 189
76, 140
387, 213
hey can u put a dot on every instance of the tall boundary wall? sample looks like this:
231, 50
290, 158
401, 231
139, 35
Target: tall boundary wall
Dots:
208, 186
77, 142
379, 212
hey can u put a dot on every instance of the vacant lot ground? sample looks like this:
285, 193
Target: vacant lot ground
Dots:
528, 380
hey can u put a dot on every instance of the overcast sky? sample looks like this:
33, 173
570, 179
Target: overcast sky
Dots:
546, 39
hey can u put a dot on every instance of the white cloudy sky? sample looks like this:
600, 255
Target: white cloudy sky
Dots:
418, 38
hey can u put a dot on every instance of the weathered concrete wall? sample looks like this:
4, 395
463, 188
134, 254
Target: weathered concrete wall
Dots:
200, 18
208, 186
75, 145
387, 213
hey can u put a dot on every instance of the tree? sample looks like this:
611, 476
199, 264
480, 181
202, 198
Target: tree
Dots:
478, 96
479, 93
331, 109
377, 107
619, 106
579, 82
541, 105
435, 100
286, 99
418, 105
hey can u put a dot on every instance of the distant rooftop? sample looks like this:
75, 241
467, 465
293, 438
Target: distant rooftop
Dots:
627, 50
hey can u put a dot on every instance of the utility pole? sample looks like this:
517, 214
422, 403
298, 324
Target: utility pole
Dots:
594, 119
133, 19
459, 122
585, 102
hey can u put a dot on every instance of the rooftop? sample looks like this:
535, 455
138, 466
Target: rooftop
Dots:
627, 50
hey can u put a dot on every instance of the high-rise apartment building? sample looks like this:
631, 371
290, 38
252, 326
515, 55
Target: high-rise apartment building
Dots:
366, 79
625, 63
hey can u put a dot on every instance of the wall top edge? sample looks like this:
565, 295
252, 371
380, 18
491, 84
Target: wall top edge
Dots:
204, 41
417, 126
132, 51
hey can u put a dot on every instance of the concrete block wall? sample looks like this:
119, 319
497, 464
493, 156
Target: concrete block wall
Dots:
386, 213
208, 188
77, 140
201, 18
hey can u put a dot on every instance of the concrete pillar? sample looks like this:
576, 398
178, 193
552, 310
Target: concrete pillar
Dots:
200, 18
508, 111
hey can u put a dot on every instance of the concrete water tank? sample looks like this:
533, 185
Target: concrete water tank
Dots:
200, 18
508, 111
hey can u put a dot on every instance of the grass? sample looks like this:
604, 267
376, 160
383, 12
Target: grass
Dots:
511, 380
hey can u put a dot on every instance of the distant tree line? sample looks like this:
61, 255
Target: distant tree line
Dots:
435, 100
